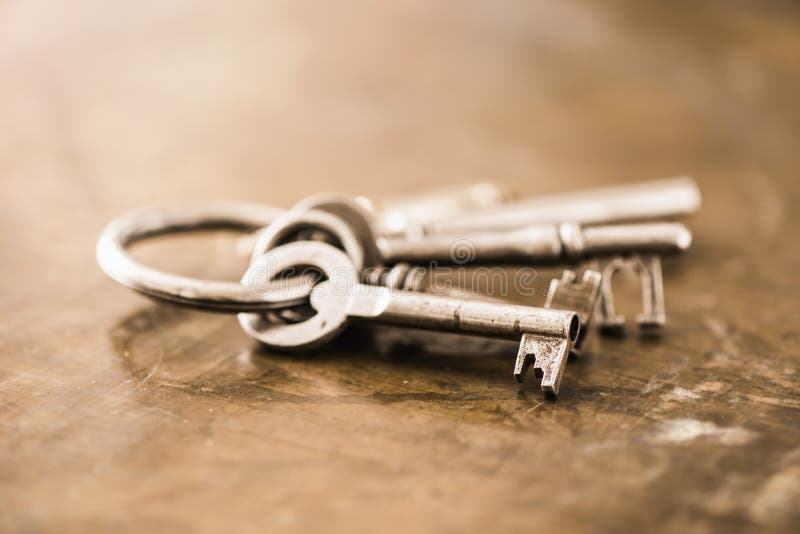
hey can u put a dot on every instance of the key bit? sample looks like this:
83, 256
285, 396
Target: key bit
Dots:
653, 315
569, 294
546, 335
548, 356
658, 199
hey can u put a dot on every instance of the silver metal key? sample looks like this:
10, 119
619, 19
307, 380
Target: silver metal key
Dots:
549, 243
659, 199
565, 242
565, 293
546, 335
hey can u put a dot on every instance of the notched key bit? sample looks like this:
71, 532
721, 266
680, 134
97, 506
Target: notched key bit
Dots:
653, 315
548, 356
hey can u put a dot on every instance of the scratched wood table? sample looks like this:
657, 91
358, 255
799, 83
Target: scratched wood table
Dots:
120, 414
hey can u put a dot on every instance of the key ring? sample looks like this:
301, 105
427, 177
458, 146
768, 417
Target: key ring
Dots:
209, 295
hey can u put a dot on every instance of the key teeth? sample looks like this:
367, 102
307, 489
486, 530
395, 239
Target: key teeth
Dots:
650, 325
548, 356
653, 317
524, 362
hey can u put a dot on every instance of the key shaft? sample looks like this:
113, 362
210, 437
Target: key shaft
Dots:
538, 244
466, 316
658, 199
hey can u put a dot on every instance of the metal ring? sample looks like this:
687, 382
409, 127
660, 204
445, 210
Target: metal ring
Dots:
354, 214
295, 220
330, 319
196, 293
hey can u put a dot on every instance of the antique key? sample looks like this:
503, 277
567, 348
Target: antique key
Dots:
534, 244
546, 335
546, 243
658, 199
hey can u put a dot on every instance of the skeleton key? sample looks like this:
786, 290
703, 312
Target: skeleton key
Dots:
546, 335
659, 199
538, 244
534, 244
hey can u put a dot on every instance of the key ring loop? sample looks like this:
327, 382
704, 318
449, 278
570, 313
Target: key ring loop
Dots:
209, 295
342, 279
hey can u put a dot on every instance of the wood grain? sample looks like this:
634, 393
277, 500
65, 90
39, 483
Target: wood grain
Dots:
120, 414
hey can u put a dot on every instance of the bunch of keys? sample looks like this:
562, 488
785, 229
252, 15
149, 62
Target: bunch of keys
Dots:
332, 259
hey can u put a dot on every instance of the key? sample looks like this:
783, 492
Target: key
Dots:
658, 199
565, 293
551, 243
546, 336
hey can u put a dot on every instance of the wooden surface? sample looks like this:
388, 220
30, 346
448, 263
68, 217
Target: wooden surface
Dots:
117, 414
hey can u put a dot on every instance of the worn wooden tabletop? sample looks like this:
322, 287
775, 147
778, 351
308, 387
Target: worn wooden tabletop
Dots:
117, 413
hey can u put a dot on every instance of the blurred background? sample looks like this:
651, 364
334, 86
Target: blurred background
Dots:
108, 106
